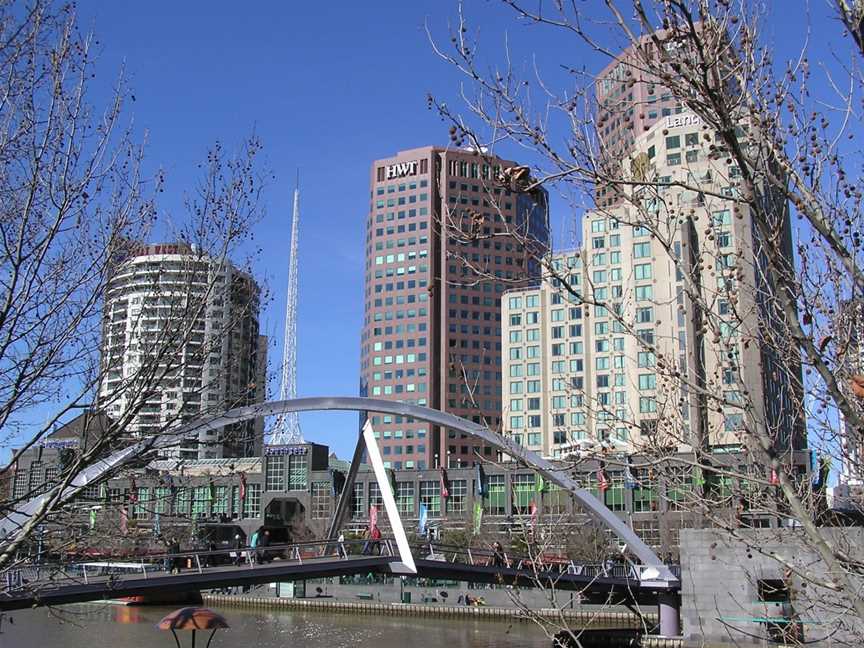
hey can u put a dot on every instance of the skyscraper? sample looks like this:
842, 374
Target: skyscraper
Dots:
181, 340
448, 231
635, 350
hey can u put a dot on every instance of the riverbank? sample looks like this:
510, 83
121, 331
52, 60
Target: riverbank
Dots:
583, 619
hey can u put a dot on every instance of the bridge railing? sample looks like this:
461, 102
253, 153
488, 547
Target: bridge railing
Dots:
546, 562
52, 575
57, 574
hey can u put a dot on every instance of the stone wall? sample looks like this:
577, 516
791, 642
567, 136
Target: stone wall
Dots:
728, 583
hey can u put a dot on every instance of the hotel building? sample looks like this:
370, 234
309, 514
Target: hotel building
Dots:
448, 231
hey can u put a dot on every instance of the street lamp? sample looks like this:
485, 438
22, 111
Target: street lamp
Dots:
194, 619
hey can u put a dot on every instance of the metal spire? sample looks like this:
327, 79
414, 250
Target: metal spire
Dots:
287, 428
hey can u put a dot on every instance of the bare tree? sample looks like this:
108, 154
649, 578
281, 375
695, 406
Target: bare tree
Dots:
772, 146
76, 214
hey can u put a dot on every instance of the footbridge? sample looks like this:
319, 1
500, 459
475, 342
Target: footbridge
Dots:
651, 576
149, 575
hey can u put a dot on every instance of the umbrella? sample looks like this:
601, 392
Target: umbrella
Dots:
194, 619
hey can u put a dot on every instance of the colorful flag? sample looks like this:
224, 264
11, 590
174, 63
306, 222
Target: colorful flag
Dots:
124, 521
481, 483
242, 486
373, 517
445, 484
540, 485
774, 480
421, 524
133, 491
698, 477
629, 480
92, 518
157, 524
478, 517
602, 483
534, 511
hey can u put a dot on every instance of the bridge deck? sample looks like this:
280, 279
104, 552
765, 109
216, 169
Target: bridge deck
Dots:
595, 583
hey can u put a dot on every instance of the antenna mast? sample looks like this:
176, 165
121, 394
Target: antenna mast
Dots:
287, 428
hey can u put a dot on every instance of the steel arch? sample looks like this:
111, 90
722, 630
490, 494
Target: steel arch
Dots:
13, 522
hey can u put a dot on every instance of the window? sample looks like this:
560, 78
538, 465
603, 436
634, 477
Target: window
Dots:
644, 497
297, 478
673, 159
614, 495
20, 487
679, 487
645, 359
649, 531
375, 497
220, 503
430, 495
320, 500
647, 381
642, 271
644, 293
673, 142
641, 250
253, 501
721, 218
358, 511
645, 315
523, 493
733, 422
405, 497
275, 477
691, 139
142, 508
647, 405
456, 503
496, 502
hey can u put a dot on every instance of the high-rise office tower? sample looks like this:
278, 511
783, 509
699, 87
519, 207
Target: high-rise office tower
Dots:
640, 352
181, 340
448, 231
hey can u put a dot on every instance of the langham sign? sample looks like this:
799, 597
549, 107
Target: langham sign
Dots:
686, 119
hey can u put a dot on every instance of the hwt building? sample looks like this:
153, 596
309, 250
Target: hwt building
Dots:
446, 235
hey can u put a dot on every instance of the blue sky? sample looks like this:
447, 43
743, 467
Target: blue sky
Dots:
328, 87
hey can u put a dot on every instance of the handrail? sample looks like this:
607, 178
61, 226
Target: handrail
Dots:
55, 575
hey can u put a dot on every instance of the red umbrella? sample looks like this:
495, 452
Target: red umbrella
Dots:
194, 619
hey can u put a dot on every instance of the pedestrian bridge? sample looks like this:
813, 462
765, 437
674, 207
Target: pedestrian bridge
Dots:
57, 584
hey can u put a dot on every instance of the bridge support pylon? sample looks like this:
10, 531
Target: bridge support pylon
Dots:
670, 614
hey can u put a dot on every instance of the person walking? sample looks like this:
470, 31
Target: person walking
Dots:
238, 550
498, 558
176, 560
264, 541
341, 541
166, 562
375, 537
253, 546
366, 545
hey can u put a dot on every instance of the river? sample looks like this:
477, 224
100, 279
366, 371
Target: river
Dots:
112, 626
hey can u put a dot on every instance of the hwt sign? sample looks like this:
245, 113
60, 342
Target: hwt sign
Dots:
401, 170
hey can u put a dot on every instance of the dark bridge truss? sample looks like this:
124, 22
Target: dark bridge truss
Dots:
63, 584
